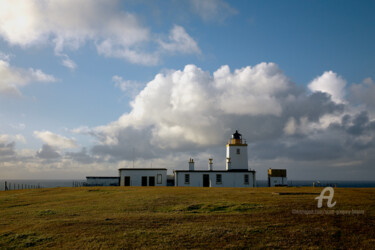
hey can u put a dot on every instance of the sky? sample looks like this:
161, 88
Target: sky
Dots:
87, 87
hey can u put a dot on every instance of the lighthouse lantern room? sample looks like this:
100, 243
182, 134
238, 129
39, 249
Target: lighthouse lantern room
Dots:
236, 153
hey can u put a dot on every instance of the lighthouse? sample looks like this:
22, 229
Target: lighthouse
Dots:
237, 153
236, 174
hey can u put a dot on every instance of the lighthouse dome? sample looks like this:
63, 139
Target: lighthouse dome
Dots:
236, 135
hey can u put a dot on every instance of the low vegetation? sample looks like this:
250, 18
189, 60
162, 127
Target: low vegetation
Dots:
168, 217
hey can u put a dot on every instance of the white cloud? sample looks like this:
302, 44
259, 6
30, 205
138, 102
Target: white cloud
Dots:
4, 138
331, 83
180, 41
108, 48
193, 107
55, 140
67, 62
4, 57
290, 127
11, 78
212, 10
364, 93
129, 87
68, 24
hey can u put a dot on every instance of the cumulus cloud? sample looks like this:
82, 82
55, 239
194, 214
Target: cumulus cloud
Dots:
12, 78
47, 152
55, 140
364, 93
4, 138
212, 10
7, 151
190, 110
180, 41
331, 83
81, 156
70, 24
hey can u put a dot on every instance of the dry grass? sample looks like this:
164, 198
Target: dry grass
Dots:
144, 217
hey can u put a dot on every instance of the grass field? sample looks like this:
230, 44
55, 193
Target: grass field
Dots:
168, 217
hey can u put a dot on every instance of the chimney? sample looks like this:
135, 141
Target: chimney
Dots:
191, 164
210, 164
228, 164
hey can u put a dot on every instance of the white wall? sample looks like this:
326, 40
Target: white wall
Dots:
136, 176
229, 179
238, 161
278, 181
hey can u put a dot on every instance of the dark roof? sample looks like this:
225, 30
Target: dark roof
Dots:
236, 135
142, 169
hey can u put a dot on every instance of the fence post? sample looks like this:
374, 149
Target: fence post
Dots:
6, 187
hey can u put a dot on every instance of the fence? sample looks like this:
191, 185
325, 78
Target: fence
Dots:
18, 186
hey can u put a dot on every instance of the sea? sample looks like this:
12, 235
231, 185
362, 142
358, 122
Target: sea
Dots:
23, 184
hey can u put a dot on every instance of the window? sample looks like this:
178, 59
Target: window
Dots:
187, 178
246, 179
159, 179
238, 151
218, 179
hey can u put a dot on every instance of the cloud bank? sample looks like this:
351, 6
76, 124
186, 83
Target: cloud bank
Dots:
69, 24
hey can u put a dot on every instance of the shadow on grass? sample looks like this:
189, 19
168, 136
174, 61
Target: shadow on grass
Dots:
218, 208
15, 241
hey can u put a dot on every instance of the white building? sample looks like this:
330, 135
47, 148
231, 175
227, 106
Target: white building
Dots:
277, 177
237, 173
143, 176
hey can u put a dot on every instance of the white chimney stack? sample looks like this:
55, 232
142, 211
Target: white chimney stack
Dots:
191, 164
228, 164
210, 164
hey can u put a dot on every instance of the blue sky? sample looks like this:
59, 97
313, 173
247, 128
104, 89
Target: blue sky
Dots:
96, 58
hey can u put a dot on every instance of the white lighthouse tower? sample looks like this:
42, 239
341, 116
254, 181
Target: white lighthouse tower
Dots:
236, 153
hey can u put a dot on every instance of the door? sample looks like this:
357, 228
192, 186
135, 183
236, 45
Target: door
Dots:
144, 180
206, 180
127, 180
151, 181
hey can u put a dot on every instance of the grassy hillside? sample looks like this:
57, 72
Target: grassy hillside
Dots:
135, 217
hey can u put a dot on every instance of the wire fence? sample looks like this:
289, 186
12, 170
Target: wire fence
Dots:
19, 186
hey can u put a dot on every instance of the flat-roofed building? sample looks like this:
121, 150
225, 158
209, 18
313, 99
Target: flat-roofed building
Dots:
277, 177
143, 176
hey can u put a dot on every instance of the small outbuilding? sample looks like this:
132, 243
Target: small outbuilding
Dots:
277, 177
143, 176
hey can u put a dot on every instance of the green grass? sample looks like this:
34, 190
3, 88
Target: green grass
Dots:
166, 217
